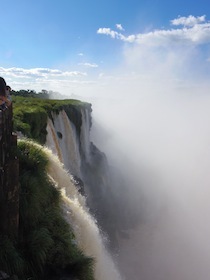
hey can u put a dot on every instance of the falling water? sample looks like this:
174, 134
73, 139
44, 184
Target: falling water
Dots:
52, 140
85, 134
85, 228
65, 145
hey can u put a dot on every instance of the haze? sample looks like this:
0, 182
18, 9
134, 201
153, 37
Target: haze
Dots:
146, 71
153, 124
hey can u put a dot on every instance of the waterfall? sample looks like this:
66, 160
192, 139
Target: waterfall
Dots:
85, 228
52, 140
85, 134
62, 139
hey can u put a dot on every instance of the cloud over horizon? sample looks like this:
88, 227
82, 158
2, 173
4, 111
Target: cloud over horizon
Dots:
195, 30
39, 72
160, 56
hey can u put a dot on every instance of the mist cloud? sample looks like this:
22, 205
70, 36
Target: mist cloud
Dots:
152, 120
158, 135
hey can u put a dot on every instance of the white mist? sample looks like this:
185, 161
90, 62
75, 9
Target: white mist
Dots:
151, 117
160, 139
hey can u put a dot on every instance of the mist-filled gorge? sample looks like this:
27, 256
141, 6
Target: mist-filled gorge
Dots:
137, 195
160, 140
155, 135
140, 156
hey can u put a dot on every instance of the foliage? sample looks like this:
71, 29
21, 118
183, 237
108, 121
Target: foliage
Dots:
46, 243
44, 94
30, 114
10, 258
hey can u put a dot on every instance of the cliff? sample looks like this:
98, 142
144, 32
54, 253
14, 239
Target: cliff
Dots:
41, 248
31, 115
35, 240
64, 126
9, 171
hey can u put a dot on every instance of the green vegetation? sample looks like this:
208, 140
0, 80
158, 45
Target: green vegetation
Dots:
31, 113
45, 94
46, 244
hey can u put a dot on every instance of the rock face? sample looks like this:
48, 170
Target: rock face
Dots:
9, 172
68, 135
70, 140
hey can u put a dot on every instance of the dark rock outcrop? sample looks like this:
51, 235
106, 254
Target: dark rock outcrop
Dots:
9, 172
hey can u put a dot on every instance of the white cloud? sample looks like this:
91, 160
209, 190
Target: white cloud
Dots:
107, 31
119, 26
155, 57
90, 65
195, 31
116, 35
39, 73
50, 79
188, 21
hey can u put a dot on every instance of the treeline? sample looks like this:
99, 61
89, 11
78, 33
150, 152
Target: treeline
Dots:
43, 94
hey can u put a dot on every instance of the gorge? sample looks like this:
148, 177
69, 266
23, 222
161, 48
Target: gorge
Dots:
67, 134
152, 210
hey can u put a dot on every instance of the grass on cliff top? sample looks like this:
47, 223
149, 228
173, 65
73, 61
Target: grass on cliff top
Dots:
46, 243
47, 104
30, 114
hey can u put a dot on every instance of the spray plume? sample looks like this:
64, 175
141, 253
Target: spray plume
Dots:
151, 118
152, 121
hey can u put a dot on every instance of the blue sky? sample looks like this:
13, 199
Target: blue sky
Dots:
49, 44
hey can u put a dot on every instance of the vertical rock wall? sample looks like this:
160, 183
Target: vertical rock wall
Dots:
9, 173
70, 141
